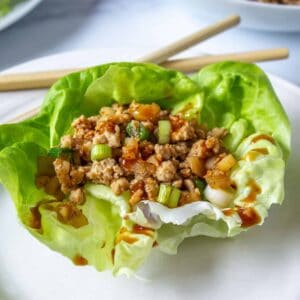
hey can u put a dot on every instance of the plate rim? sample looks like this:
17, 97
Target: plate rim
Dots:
276, 78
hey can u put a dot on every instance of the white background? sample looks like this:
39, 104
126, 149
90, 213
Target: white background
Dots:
64, 25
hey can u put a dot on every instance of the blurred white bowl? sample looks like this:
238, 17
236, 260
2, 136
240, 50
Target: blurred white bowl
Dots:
262, 16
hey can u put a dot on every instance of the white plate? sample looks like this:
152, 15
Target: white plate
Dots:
18, 12
262, 263
262, 16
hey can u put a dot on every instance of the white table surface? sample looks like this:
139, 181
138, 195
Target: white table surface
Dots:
64, 25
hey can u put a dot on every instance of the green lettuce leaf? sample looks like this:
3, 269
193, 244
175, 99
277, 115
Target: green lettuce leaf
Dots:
240, 97
202, 218
232, 95
21, 144
7, 5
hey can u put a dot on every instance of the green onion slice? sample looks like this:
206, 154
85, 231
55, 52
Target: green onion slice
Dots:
164, 193
164, 131
174, 198
100, 152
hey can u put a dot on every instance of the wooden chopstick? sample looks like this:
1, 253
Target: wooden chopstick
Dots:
164, 53
185, 65
45, 79
189, 65
39, 80
28, 114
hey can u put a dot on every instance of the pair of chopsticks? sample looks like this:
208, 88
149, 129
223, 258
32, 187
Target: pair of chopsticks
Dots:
37, 80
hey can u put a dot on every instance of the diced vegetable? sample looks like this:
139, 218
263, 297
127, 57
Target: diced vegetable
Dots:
147, 112
100, 152
197, 165
174, 198
164, 194
218, 197
164, 131
168, 195
58, 152
138, 130
144, 133
200, 184
226, 163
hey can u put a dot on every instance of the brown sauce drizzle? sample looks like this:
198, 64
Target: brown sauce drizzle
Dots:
155, 244
263, 137
126, 236
79, 260
113, 252
66, 214
249, 216
254, 153
228, 212
254, 191
142, 230
35, 221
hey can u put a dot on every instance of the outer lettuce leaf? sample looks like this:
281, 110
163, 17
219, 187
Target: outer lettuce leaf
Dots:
233, 95
21, 144
7, 5
86, 92
202, 218
240, 97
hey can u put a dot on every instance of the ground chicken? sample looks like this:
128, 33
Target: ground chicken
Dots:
105, 171
120, 185
146, 148
136, 165
136, 197
189, 184
184, 133
199, 149
62, 169
151, 188
110, 137
166, 172
213, 144
168, 151
77, 196
185, 170
142, 169
177, 183
218, 132
66, 141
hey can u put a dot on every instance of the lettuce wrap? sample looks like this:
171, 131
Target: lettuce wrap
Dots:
233, 95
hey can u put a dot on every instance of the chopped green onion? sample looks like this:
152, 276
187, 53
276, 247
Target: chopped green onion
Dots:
131, 129
144, 133
58, 152
164, 193
200, 184
174, 198
100, 152
138, 130
164, 131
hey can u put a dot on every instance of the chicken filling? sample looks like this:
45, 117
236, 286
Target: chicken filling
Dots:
145, 150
